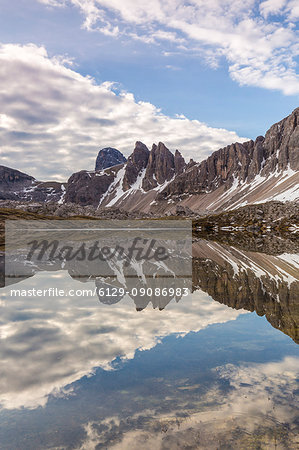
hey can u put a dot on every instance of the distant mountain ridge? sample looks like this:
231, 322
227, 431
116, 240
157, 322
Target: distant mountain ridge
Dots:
16, 185
158, 182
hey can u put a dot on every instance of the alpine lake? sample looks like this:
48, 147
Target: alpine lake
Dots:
199, 352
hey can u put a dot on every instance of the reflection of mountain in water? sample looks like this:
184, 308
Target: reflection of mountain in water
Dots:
131, 267
64, 338
270, 243
169, 284
54, 341
252, 281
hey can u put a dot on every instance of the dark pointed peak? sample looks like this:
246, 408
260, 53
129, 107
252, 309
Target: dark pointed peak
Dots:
109, 150
162, 148
140, 154
191, 163
137, 161
179, 162
109, 157
141, 146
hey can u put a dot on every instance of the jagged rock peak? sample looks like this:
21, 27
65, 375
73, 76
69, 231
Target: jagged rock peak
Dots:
241, 163
179, 162
137, 161
109, 157
87, 188
282, 143
140, 146
162, 166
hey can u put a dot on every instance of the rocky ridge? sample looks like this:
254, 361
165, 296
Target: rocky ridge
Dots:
18, 186
158, 183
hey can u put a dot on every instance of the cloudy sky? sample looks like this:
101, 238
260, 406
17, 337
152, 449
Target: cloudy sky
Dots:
79, 75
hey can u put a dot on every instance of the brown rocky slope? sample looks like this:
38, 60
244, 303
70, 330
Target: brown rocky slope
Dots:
159, 183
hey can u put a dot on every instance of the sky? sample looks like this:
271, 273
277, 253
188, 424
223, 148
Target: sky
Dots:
80, 75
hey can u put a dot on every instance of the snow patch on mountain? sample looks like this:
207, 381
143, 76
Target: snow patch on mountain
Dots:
118, 185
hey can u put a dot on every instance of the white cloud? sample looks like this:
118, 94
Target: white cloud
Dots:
271, 7
40, 341
53, 2
255, 44
280, 7
53, 120
258, 403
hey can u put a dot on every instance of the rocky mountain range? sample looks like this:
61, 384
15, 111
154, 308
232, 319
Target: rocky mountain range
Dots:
159, 183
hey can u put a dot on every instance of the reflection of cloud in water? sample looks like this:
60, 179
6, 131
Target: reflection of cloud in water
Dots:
52, 342
256, 385
258, 410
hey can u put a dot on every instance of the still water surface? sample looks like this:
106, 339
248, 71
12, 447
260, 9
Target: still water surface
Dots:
215, 369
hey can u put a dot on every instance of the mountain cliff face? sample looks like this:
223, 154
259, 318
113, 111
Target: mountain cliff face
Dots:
109, 157
132, 184
137, 163
12, 181
16, 185
158, 182
162, 167
239, 174
84, 187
